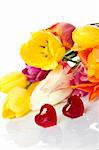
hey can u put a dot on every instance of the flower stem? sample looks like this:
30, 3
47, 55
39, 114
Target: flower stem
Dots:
28, 85
71, 52
68, 59
69, 55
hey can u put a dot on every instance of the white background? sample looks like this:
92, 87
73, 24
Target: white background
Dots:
20, 17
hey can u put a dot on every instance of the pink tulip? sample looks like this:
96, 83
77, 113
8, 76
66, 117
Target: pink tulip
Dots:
34, 74
64, 32
80, 77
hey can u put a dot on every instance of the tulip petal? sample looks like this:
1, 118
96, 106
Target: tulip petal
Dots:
43, 51
7, 113
84, 55
86, 36
54, 88
17, 103
94, 93
32, 87
12, 80
91, 88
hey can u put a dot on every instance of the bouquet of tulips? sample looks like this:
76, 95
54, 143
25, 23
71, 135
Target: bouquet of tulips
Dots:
61, 65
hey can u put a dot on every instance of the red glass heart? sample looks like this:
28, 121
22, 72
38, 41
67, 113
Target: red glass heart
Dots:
74, 108
48, 118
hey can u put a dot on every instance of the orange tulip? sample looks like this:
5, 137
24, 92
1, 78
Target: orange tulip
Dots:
91, 88
90, 59
86, 41
87, 44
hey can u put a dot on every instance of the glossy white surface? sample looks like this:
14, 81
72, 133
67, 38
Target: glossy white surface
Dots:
80, 133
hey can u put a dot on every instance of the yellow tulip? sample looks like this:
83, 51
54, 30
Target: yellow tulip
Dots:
32, 87
12, 80
43, 51
17, 103
86, 37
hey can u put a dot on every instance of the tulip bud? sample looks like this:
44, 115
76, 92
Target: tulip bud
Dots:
64, 32
54, 88
34, 74
17, 103
12, 80
86, 37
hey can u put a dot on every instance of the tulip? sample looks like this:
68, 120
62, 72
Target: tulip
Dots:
12, 80
91, 88
34, 74
64, 32
42, 51
54, 88
86, 37
80, 77
17, 103
87, 44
